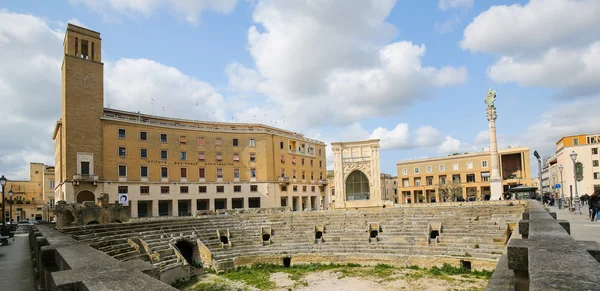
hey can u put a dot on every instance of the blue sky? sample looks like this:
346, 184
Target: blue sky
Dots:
413, 73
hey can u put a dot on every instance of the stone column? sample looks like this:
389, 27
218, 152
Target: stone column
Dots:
338, 171
175, 207
376, 174
154, 207
133, 206
495, 179
194, 206
413, 197
290, 202
309, 202
299, 203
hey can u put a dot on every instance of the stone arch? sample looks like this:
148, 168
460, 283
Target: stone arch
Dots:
67, 218
93, 222
189, 251
86, 195
357, 186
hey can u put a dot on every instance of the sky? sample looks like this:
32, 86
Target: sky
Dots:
411, 73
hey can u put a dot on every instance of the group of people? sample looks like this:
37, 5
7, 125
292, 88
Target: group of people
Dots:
593, 202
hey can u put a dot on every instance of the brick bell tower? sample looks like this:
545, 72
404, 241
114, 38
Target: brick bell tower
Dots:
79, 135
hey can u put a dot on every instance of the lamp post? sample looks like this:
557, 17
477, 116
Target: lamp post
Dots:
554, 185
561, 202
573, 156
3, 183
10, 194
537, 156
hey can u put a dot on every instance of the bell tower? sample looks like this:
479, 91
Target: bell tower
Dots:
80, 130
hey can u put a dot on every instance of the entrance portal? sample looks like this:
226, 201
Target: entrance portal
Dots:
186, 249
86, 195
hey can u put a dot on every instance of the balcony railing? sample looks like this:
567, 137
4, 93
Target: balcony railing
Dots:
284, 180
85, 178
323, 182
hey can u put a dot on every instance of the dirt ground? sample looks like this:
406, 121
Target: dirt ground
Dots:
334, 280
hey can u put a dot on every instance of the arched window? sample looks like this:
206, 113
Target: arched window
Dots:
357, 186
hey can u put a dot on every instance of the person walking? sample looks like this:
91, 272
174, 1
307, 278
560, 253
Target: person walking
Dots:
594, 204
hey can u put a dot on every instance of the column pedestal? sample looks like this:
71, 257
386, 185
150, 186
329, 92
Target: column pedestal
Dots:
495, 190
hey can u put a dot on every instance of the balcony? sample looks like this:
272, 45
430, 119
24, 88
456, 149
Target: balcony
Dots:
323, 182
78, 178
284, 181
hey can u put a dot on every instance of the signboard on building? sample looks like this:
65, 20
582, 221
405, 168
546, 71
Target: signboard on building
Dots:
124, 199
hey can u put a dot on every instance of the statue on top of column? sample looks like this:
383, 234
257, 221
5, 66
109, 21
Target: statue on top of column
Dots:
490, 98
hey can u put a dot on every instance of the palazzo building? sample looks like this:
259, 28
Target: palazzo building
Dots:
169, 166
31, 196
463, 175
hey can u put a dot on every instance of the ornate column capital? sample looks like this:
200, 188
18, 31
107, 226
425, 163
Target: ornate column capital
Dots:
491, 113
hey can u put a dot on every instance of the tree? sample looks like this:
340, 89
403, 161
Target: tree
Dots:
450, 190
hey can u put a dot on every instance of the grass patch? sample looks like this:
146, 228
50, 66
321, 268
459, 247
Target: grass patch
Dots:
447, 269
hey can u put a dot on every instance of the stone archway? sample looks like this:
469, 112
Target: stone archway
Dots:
86, 195
357, 186
186, 249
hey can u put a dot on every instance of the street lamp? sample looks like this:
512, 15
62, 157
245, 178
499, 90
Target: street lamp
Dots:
10, 194
561, 202
553, 185
573, 156
3, 183
537, 156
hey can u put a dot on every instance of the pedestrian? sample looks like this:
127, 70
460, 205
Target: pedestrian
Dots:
594, 204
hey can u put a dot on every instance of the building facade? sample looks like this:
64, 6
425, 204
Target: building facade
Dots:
586, 146
167, 166
30, 196
389, 187
465, 175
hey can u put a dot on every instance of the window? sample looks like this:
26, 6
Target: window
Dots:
235, 142
303, 162
183, 172
320, 164
201, 189
201, 156
219, 173
183, 156
219, 156
416, 170
469, 165
295, 188
51, 184
429, 169
311, 163
144, 171
143, 153
357, 186
253, 188
252, 172
283, 189
236, 157
293, 174
122, 190
303, 175
164, 189
218, 141
144, 189
442, 180
455, 166
282, 158
484, 164
428, 181
122, 171
456, 178
303, 188
312, 188
485, 176
201, 173
470, 178
220, 189
575, 141
319, 152
312, 176
201, 141
281, 145
252, 142
596, 175
594, 151
237, 188
121, 151
164, 154
143, 136
164, 172
417, 181
293, 160
236, 173
252, 157
404, 171
595, 163
184, 190
85, 168
442, 168
163, 137
121, 133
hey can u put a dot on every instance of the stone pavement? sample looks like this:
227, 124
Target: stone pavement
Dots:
581, 226
16, 271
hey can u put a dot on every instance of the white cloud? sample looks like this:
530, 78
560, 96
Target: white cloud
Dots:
448, 25
395, 138
541, 44
450, 145
29, 91
188, 10
314, 57
447, 4
427, 136
483, 137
